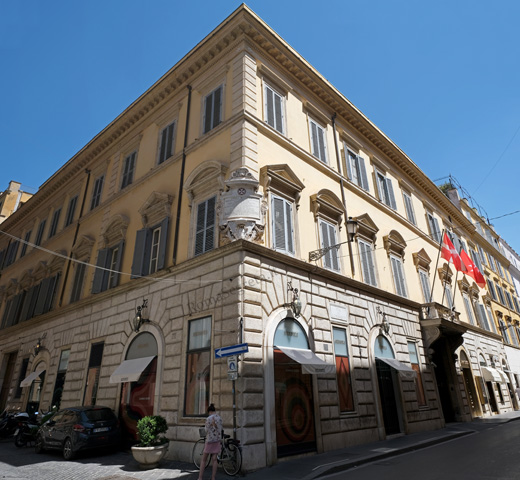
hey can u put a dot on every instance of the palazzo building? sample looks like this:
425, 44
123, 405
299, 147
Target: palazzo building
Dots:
208, 209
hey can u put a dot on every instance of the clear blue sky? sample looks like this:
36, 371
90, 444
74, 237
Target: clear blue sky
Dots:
441, 79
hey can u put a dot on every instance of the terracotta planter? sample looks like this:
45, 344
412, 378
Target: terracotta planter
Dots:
149, 457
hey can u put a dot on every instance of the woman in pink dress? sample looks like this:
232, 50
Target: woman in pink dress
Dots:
212, 446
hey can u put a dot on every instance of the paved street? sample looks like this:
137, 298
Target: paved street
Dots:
23, 463
490, 453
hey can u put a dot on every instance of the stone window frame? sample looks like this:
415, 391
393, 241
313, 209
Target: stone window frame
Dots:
367, 234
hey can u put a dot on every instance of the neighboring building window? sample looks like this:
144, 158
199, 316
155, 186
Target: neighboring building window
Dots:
71, 210
318, 144
433, 224
425, 284
274, 109
492, 263
54, 222
367, 262
10, 255
491, 319
492, 290
109, 263
398, 275
414, 361
96, 192
356, 170
213, 109
408, 205
343, 375
482, 255
150, 249
328, 238
79, 279
501, 294
198, 367
39, 233
469, 310
25, 243
167, 142
503, 330
385, 190
94, 367
448, 295
482, 317
128, 170
517, 306
509, 300
479, 228
512, 329
282, 220
476, 260
205, 226
60, 378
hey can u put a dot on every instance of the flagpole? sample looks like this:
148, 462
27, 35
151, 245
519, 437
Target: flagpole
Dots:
436, 266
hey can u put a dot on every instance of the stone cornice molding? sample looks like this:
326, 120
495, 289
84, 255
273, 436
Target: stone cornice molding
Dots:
156, 207
115, 231
421, 259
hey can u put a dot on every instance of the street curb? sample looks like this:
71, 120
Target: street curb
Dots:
349, 464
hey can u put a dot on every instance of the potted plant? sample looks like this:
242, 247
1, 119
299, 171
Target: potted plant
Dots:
152, 446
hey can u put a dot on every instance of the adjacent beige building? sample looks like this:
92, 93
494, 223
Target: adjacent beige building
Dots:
215, 201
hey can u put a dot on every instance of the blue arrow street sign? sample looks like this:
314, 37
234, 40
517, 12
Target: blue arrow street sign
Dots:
232, 350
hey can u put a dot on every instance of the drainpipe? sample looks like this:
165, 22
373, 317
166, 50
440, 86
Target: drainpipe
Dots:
181, 184
349, 243
76, 232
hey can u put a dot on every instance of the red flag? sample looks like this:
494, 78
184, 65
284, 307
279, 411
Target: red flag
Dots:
472, 269
449, 252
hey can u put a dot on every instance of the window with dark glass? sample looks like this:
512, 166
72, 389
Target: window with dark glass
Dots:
167, 142
54, 222
343, 374
39, 233
94, 367
25, 243
60, 378
128, 170
21, 376
77, 284
198, 367
71, 210
213, 109
96, 192
150, 249
109, 263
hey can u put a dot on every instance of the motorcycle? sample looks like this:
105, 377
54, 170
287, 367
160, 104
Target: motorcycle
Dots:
28, 428
8, 423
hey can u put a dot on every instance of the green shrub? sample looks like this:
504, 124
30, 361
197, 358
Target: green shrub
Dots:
149, 430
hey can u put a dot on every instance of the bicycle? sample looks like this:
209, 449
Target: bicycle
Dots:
230, 456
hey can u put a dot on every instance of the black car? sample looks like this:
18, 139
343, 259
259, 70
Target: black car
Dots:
79, 428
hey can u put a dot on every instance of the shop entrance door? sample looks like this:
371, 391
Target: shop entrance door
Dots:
385, 379
294, 404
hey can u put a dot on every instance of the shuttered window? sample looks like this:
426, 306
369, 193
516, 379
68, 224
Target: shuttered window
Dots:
482, 255
274, 107
398, 274
318, 146
483, 317
356, 171
469, 310
54, 222
491, 319
476, 260
448, 297
127, 176
435, 231
150, 249
77, 285
39, 233
166, 147
282, 224
492, 290
26, 240
501, 295
205, 226
212, 109
96, 192
509, 300
367, 263
10, 255
71, 210
425, 285
408, 205
328, 239
108, 266
385, 190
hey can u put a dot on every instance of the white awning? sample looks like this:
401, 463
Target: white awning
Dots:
308, 360
130, 370
491, 374
404, 370
26, 382
505, 378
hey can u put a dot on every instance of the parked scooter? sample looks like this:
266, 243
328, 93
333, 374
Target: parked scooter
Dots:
8, 423
28, 428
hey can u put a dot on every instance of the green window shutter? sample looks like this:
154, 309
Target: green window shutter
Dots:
100, 275
161, 259
139, 264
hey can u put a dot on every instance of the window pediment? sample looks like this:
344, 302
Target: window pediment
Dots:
40, 272
115, 230
281, 179
422, 259
205, 179
156, 208
445, 274
84, 246
56, 263
26, 280
394, 243
366, 227
326, 204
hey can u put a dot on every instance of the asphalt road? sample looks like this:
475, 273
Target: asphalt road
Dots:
490, 454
